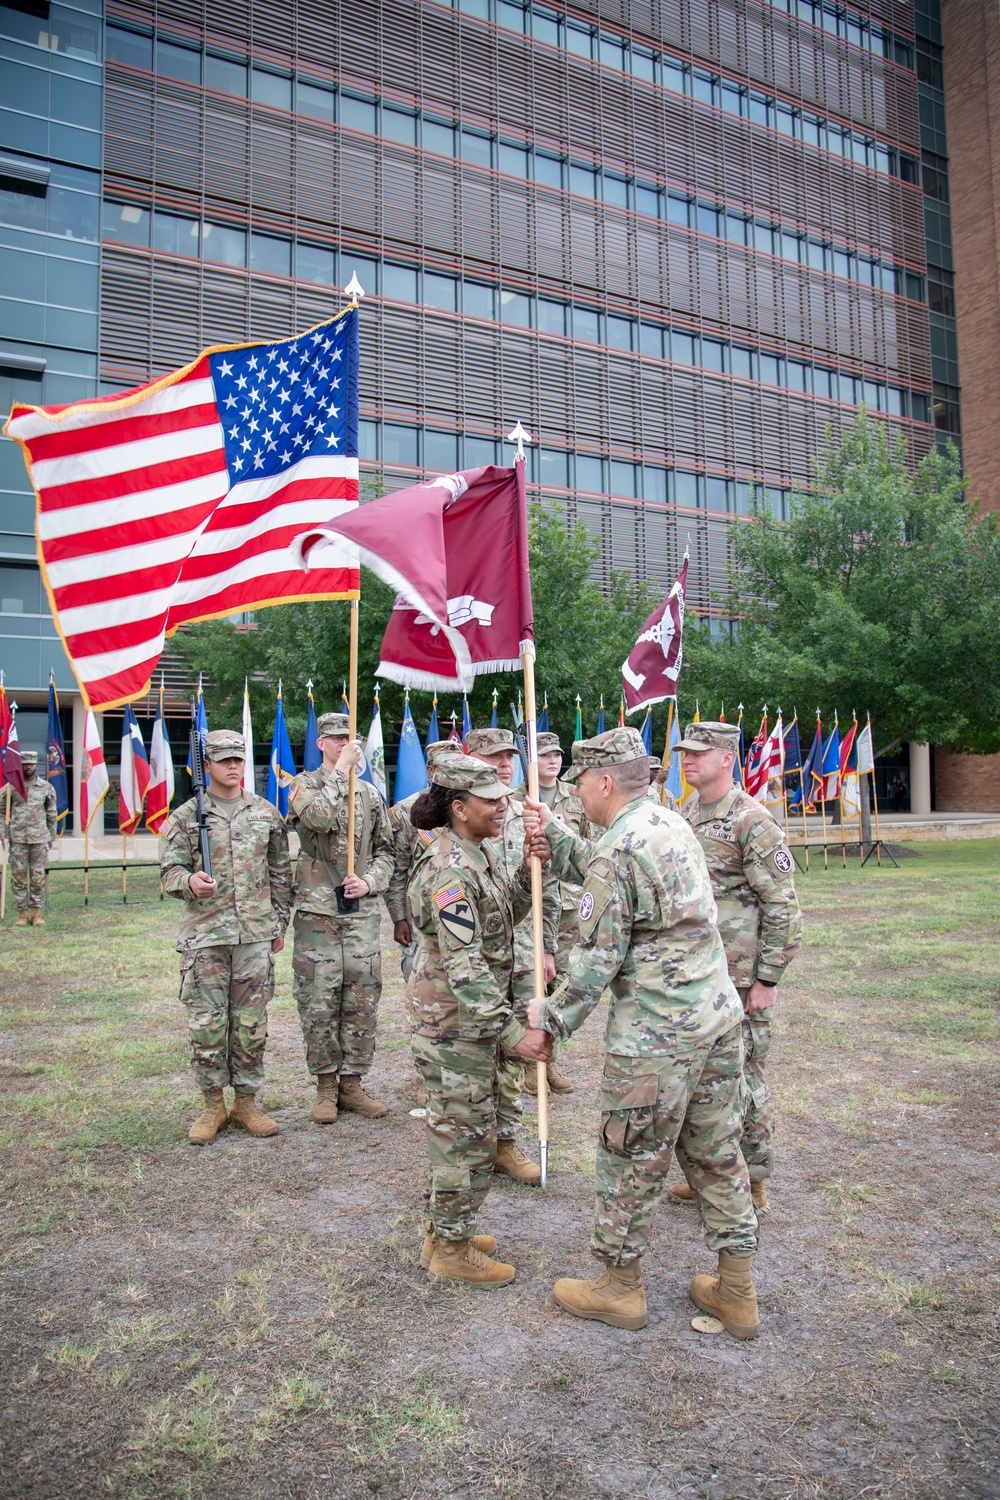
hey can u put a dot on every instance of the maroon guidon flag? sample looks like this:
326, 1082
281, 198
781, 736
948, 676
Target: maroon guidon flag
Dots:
654, 663
455, 549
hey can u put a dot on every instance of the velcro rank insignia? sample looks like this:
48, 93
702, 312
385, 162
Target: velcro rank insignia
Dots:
449, 896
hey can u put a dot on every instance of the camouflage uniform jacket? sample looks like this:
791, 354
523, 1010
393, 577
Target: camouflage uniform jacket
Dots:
648, 931
463, 908
317, 810
751, 868
33, 820
566, 805
510, 848
407, 843
250, 865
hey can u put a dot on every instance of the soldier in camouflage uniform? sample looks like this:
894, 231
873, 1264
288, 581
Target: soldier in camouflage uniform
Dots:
337, 961
658, 785
673, 1075
231, 927
495, 747
31, 831
407, 844
561, 799
463, 906
759, 919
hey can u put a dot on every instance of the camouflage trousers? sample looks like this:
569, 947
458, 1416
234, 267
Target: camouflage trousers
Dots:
226, 991
691, 1103
337, 982
461, 1124
758, 1121
27, 873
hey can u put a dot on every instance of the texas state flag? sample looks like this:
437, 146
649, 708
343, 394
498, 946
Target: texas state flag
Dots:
134, 780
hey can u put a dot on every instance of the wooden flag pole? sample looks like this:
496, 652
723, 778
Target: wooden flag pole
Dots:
86, 865
528, 663
6, 846
125, 869
822, 813
352, 729
666, 748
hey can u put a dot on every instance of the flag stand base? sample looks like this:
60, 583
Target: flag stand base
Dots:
881, 848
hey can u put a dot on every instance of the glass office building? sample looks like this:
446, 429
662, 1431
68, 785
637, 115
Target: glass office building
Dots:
678, 241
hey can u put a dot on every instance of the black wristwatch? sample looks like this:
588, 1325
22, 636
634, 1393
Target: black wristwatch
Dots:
770, 984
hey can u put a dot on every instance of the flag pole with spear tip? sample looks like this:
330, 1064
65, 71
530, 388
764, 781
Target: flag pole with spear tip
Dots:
519, 436
355, 291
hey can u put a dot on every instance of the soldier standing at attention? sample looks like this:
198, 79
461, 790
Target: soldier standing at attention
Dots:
657, 783
232, 925
407, 843
759, 918
673, 1074
460, 997
495, 748
32, 832
561, 800
337, 960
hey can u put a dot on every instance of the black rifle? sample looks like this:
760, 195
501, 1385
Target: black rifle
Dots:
520, 743
198, 782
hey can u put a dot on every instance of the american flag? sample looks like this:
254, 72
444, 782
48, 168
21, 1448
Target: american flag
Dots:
180, 500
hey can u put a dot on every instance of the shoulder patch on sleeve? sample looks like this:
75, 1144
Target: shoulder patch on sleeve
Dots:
449, 895
167, 828
300, 794
593, 903
782, 861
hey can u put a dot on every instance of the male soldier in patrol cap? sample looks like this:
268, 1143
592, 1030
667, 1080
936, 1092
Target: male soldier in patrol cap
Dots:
658, 785
232, 925
495, 747
759, 919
337, 961
407, 843
673, 1074
560, 797
31, 831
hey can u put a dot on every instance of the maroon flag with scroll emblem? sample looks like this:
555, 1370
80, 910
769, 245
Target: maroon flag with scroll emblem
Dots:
456, 550
654, 663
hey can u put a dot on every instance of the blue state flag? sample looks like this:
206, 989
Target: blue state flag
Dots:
741, 756
829, 771
345, 707
411, 768
600, 717
201, 722
466, 721
810, 770
542, 726
55, 760
793, 750
493, 715
281, 768
647, 731
312, 757
674, 768
433, 732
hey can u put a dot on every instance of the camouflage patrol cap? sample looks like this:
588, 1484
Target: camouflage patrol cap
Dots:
616, 748
547, 743
333, 726
29, 757
463, 773
224, 744
711, 735
438, 749
655, 763
489, 741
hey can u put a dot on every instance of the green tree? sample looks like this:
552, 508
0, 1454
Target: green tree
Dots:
881, 594
583, 635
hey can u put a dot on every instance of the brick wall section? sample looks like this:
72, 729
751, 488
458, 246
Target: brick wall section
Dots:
966, 783
972, 97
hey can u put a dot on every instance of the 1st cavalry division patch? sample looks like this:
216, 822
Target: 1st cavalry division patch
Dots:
457, 917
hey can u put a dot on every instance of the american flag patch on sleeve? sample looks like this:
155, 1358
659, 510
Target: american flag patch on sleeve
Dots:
449, 896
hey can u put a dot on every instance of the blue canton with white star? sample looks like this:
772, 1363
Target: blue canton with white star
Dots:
280, 403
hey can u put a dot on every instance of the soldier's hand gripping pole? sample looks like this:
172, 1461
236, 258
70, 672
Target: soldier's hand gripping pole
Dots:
538, 939
198, 783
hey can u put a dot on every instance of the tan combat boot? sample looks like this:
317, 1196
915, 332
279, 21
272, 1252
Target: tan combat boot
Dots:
421, 1094
484, 1242
558, 1082
680, 1192
246, 1112
325, 1108
23, 919
730, 1296
353, 1097
212, 1119
618, 1297
37, 920
758, 1193
459, 1260
512, 1162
